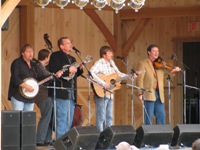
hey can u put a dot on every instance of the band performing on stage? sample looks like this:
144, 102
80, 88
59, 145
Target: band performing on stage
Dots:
50, 81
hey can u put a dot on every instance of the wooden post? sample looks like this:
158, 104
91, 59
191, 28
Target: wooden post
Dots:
6, 10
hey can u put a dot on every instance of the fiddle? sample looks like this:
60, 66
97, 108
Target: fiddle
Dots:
159, 63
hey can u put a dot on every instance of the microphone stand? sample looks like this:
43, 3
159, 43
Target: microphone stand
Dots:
94, 82
54, 104
169, 97
169, 92
184, 89
132, 92
89, 87
54, 101
144, 109
132, 98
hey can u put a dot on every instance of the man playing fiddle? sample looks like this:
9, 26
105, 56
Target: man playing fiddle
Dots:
153, 80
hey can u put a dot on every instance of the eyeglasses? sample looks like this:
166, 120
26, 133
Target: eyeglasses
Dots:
67, 43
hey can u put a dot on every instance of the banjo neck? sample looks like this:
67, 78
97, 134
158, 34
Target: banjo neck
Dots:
45, 80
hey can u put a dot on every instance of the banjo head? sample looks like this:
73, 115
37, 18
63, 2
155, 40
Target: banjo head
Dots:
32, 82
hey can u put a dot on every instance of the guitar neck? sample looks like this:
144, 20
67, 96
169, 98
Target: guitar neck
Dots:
122, 78
45, 80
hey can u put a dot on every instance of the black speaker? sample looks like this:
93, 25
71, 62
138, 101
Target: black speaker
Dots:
78, 138
113, 135
28, 130
153, 135
185, 134
10, 132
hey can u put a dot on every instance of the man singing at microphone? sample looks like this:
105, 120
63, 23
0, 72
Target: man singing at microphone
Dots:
104, 105
153, 80
65, 89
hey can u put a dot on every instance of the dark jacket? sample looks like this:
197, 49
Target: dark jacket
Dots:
19, 72
59, 59
43, 74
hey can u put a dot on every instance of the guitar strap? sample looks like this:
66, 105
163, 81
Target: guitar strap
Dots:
112, 66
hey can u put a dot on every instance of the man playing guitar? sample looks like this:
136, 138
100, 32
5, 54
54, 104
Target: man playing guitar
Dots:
104, 105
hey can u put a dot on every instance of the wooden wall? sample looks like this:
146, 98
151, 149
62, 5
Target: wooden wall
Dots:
85, 36
10, 51
161, 32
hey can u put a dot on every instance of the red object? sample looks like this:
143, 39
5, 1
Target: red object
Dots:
192, 26
78, 116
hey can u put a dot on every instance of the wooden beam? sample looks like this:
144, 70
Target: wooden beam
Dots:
6, 10
186, 39
135, 34
27, 28
102, 27
128, 14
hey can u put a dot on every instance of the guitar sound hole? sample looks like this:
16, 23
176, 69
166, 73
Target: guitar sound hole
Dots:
112, 82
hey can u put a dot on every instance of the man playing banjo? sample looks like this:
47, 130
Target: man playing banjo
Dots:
22, 68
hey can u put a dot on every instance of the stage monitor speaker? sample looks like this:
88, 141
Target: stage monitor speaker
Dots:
28, 130
185, 134
78, 138
10, 132
153, 135
113, 135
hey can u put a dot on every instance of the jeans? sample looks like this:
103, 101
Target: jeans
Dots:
104, 112
44, 130
64, 116
156, 108
18, 105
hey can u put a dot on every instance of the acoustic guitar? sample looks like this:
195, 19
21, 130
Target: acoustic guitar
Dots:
114, 80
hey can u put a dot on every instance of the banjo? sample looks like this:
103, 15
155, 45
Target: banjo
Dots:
35, 84
32, 82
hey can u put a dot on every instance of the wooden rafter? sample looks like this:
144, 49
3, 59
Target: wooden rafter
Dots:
128, 14
6, 10
102, 27
129, 43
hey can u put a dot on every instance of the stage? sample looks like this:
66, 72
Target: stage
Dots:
19, 132
52, 148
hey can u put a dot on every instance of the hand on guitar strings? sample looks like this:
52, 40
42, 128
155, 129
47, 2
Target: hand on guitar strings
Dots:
27, 87
107, 85
81, 66
59, 74
72, 69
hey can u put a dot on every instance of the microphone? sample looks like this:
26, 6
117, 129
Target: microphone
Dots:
76, 50
35, 60
134, 72
173, 56
121, 58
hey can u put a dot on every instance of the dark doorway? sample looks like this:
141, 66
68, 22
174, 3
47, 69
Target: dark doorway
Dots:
191, 57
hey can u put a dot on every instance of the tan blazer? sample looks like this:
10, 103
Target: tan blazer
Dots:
149, 79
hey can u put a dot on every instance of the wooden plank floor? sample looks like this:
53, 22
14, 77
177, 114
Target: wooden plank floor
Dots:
45, 148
